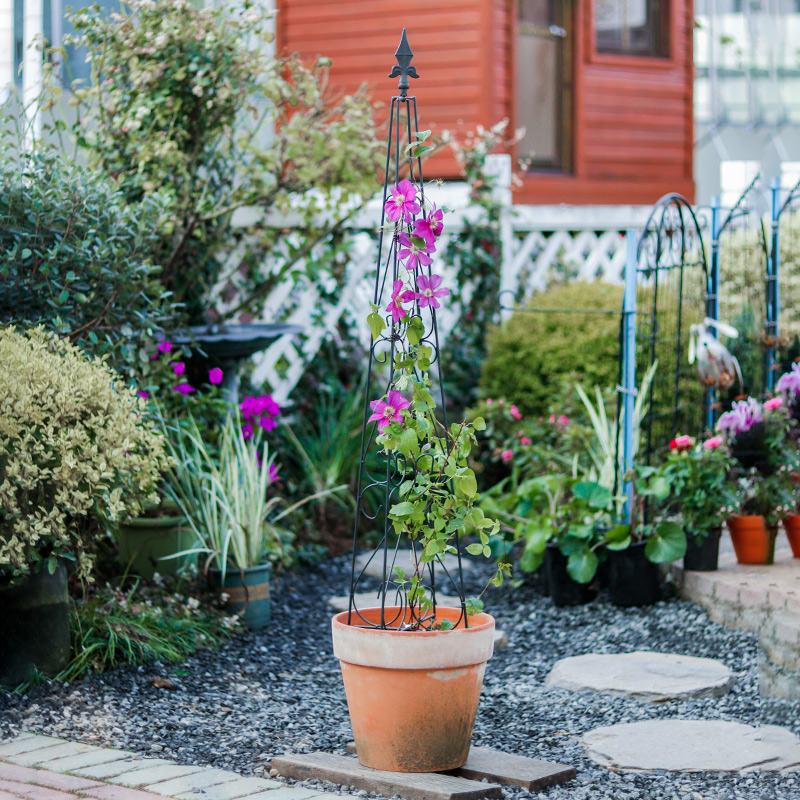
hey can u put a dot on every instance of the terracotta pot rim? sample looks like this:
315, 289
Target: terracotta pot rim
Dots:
339, 621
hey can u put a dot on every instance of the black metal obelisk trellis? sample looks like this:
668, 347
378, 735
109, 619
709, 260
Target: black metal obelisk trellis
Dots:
381, 472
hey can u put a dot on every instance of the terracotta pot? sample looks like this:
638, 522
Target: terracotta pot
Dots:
752, 540
413, 695
792, 527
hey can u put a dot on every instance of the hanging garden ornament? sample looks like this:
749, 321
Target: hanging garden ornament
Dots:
403, 649
716, 367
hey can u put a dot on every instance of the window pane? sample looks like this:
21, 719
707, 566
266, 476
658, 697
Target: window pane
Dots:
629, 26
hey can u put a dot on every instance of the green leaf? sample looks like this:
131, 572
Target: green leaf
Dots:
26, 253
376, 324
445, 625
401, 510
658, 488
474, 605
63, 297
582, 565
52, 563
467, 483
479, 424
666, 543
618, 538
475, 549
415, 330
595, 495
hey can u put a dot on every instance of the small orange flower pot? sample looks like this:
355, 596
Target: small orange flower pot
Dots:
792, 527
412, 695
751, 539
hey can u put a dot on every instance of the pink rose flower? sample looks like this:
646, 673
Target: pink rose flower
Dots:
775, 402
714, 441
526, 440
215, 375
563, 420
488, 401
506, 455
514, 411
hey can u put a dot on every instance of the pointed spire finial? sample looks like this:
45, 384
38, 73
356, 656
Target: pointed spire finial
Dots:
403, 69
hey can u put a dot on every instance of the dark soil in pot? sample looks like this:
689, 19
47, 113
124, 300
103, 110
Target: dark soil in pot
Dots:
563, 590
633, 580
702, 557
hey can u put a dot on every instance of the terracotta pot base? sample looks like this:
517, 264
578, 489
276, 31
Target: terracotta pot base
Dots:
413, 695
751, 540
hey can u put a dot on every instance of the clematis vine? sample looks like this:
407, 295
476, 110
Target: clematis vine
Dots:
399, 296
384, 413
402, 202
416, 251
430, 227
429, 291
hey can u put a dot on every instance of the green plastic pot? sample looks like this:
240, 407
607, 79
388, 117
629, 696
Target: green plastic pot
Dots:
144, 541
34, 627
247, 591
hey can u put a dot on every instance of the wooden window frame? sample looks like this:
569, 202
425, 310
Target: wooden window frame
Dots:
640, 62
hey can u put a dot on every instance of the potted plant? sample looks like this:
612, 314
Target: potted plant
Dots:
226, 494
699, 489
766, 486
77, 453
636, 548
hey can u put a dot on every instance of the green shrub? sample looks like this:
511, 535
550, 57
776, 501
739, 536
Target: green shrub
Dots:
536, 356
74, 256
76, 451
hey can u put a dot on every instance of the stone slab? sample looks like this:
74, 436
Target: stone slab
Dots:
44, 755
44, 777
151, 775
191, 787
676, 745
508, 769
646, 676
91, 758
371, 563
113, 768
347, 771
28, 791
230, 790
26, 744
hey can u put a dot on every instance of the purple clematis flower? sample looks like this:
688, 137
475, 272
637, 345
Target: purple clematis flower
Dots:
430, 227
416, 250
402, 202
384, 413
429, 291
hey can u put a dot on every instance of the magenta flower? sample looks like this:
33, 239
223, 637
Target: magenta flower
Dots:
416, 250
247, 431
183, 388
742, 416
398, 297
789, 383
515, 413
273, 473
267, 423
179, 368
430, 227
526, 440
429, 291
775, 402
506, 455
143, 394
384, 413
562, 420
215, 375
164, 347
402, 202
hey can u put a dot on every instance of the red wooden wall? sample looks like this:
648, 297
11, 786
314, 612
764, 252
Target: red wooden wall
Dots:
633, 125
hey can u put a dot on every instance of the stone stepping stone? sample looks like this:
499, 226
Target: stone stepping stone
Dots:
679, 745
642, 675
405, 560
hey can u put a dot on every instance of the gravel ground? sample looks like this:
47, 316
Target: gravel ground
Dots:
280, 691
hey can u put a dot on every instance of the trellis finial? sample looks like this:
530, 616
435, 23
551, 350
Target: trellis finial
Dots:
403, 68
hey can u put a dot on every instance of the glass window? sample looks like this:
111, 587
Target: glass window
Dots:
544, 83
632, 27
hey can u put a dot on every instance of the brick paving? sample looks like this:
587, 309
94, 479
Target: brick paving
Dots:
764, 599
34, 767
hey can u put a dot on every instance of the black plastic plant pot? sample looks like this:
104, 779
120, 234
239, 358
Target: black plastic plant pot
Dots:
563, 590
34, 627
703, 557
750, 450
633, 580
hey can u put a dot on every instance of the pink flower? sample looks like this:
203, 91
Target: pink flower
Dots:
273, 473
562, 420
179, 368
430, 227
506, 455
429, 291
714, 441
416, 250
775, 402
742, 416
551, 418
183, 388
681, 443
402, 202
215, 375
514, 411
143, 394
247, 431
488, 401
526, 440
385, 413
789, 383
399, 296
